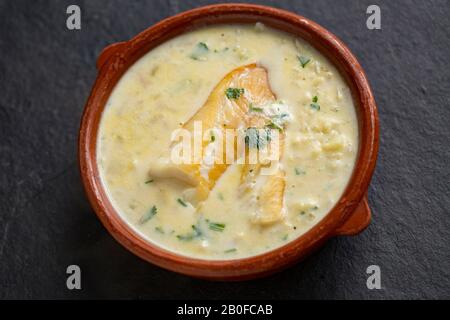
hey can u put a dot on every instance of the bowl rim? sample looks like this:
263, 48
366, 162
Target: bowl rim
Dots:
117, 58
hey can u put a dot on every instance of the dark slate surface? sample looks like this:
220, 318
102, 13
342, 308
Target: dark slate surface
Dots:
46, 223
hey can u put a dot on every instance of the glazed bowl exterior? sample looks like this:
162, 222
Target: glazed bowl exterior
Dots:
349, 216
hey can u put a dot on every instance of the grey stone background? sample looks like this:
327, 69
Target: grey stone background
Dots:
46, 223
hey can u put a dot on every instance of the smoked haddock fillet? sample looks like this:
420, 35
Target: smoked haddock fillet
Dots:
229, 106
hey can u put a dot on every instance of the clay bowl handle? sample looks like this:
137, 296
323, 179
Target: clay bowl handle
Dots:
358, 220
108, 52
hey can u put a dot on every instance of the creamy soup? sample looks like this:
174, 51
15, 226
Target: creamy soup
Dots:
277, 92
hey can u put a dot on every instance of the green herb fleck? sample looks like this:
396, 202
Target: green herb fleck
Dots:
159, 230
220, 196
149, 181
216, 226
303, 212
303, 60
315, 105
251, 108
148, 215
280, 116
234, 93
230, 250
285, 237
186, 237
299, 171
190, 236
277, 121
222, 50
182, 202
274, 125
213, 138
199, 52
203, 45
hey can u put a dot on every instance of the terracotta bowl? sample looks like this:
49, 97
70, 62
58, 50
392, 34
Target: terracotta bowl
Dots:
348, 217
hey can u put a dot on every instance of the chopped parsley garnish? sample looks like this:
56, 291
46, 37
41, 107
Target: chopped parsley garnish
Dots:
285, 237
149, 181
303, 212
303, 60
216, 226
213, 138
277, 121
256, 138
299, 171
251, 108
199, 52
180, 201
280, 116
203, 45
274, 125
230, 250
192, 235
148, 215
315, 105
234, 93
159, 230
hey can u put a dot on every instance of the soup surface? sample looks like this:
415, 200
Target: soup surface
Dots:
266, 84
